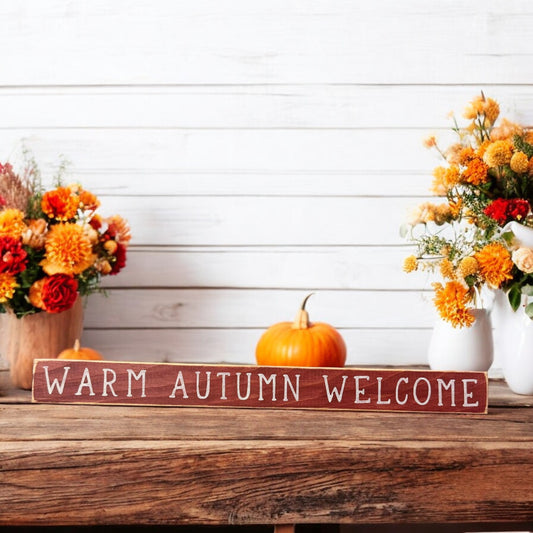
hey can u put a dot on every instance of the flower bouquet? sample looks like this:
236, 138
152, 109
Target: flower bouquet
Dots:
54, 248
54, 245
469, 237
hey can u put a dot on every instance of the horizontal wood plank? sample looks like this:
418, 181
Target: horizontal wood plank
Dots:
275, 42
227, 308
252, 107
299, 267
248, 221
237, 345
317, 151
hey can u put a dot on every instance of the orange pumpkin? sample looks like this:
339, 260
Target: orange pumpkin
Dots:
301, 343
78, 352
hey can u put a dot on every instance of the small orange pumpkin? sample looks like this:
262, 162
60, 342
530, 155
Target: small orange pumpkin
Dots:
78, 352
301, 343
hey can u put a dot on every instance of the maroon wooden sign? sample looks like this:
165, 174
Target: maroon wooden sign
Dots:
169, 384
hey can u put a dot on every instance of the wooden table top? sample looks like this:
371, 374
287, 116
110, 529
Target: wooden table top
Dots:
91, 465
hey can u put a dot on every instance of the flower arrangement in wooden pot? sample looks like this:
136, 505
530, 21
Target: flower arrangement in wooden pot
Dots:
54, 249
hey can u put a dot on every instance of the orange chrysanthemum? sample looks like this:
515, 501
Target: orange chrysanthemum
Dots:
12, 223
68, 250
60, 204
476, 172
451, 301
8, 284
495, 264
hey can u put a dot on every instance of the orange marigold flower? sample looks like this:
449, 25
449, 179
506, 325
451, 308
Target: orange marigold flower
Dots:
482, 148
466, 154
498, 153
68, 250
60, 204
8, 284
519, 162
451, 302
495, 264
12, 223
476, 172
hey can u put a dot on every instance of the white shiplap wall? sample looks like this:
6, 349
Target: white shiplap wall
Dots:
261, 149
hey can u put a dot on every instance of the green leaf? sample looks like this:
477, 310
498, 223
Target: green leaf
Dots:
515, 297
529, 310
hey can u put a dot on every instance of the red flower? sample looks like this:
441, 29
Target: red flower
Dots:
120, 259
503, 210
59, 292
12, 256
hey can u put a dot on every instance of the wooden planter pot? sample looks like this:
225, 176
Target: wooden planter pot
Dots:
39, 336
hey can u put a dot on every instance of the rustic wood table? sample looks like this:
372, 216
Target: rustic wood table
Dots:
95, 465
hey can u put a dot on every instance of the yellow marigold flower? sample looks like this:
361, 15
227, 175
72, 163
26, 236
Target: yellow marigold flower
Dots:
8, 284
68, 250
12, 223
495, 264
410, 264
446, 269
498, 153
475, 172
451, 301
468, 266
60, 204
519, 162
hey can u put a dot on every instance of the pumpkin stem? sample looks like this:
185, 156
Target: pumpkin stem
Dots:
77, 345
302, 318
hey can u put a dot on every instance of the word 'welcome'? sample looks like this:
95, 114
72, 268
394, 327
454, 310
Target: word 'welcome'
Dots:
106, 382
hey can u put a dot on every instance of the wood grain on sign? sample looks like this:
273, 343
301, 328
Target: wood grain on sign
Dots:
128, 383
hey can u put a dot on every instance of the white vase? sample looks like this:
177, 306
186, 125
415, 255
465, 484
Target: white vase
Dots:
523, 234
518, 362
462, 349
507, 325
